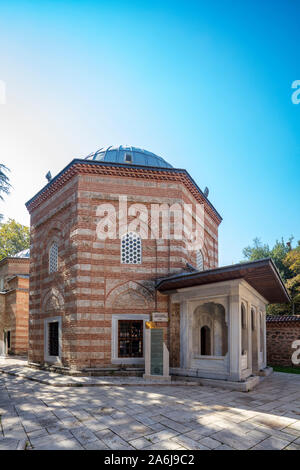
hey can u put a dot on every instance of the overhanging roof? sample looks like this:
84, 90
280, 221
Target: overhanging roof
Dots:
262, 275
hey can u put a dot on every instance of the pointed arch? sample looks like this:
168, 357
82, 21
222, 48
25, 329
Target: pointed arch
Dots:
53, 300
129, 293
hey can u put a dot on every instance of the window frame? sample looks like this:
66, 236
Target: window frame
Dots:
130, 339
115, 359
54, 242
128, 154
200, 253
47, 356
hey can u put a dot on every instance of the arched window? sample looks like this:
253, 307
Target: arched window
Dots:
131, 248
53, 258
205, 341
253, 326
199, 260
244, 329
243, 317
262, 337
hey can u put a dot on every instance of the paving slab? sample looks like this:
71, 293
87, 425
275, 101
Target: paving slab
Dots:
36, 415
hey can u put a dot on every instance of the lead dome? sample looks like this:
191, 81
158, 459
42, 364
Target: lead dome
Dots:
128, 155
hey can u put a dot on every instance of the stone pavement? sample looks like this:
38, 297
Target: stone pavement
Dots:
17, 366
38, 416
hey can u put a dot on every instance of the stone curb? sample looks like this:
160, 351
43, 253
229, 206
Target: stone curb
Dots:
122, 383
22, 444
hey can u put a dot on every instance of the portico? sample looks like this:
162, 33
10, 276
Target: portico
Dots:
221, 320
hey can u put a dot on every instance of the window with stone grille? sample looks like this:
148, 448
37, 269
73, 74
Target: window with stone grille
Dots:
199, 260
130, 338
53, 339
131, 248
53, 258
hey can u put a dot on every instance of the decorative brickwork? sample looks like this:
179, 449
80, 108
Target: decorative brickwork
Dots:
281, 333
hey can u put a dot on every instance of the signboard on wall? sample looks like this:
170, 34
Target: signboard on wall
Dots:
160, 316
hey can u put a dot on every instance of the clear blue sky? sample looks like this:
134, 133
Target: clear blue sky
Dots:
206, 85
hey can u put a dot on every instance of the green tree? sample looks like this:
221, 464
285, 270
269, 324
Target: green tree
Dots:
287, 261
14, 237
4, 183
292, 262
257, 251
278, 253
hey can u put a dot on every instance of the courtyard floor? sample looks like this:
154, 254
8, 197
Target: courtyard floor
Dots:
35, 415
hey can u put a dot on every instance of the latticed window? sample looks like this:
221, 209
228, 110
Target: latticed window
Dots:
130, 340
131, 248
53, 345
53, 258
199, 260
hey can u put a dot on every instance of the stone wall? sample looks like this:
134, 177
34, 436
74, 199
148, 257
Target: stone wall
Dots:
175, 335
282, 331
14, 314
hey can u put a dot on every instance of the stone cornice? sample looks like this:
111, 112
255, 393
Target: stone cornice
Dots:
79, 166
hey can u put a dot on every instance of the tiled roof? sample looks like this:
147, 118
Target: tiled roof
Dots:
282, 318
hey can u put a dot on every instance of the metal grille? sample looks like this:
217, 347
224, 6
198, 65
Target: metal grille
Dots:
130, 338
53, 339
53, 258
131, 248
199, 260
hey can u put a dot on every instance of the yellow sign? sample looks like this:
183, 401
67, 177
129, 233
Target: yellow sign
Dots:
150, 324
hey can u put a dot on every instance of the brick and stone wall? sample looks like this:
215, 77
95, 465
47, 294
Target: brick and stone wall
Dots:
14, 303
282, 331
175, 335
91, 284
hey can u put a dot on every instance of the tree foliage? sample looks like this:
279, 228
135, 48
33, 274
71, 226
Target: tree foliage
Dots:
287, 261
292, 261
14, 237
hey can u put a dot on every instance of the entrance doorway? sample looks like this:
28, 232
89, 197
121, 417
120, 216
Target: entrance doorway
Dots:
7, 341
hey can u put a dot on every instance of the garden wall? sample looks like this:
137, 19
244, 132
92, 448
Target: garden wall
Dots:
282, 331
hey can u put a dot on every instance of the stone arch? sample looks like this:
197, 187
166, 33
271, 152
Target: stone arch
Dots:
129, 295
53, 301
54, 231
206, 261
212, 316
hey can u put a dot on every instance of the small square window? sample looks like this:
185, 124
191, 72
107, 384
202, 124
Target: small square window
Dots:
130, 342
128, 158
